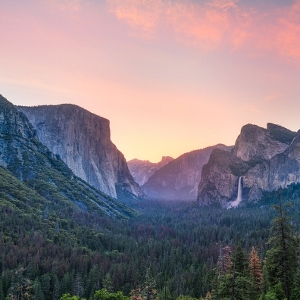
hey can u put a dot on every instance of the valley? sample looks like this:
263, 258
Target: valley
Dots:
62, 237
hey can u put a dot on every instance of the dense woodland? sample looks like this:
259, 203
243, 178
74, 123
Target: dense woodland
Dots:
169, 250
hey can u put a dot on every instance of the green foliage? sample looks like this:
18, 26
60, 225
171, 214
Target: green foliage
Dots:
275, 293
240, 262
103, 294
182, 297
69, 297
1, 291
281, 261
176, 241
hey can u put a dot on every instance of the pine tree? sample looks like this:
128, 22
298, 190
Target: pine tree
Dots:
56, 286
45, 284
281, 260
256, 269
275, 293
149, 291
241, 285
296, 287
21, 287
1, 291
38, 293
240, 261
222, 282
224, 261
107, 283
78, 289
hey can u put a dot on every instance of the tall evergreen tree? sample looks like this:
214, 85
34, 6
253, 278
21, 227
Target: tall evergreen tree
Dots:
241, 285
281, 260
1, 291
224, 261
296, 287
78, 289
256, 269
240, 261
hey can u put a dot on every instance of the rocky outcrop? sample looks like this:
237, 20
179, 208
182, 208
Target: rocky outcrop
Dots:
285, 167
141, 170
82, 140
259, 143
266, 159
219, 182
179, 179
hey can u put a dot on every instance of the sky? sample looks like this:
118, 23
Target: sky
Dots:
172, 76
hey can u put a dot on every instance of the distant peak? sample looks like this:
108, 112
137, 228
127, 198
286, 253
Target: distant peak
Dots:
5, 103
136, 160
166, 158
280, 133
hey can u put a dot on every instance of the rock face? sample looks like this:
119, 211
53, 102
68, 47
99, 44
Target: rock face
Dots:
82, 140
43, 172
141, 170
266, 159
179, 179
259, 143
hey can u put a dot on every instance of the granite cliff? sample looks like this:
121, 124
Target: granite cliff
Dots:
141, 170
82, 140
179, 178
265, 158
44, 174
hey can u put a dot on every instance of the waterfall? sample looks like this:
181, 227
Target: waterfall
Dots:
238, 199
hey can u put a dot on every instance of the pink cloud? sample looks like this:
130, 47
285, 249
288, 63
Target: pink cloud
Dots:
273, 96
141, 15
216, 23
288, 32
223, 4
203, 25
63, 4
199, 25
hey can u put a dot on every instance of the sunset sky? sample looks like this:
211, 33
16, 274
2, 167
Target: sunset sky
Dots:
172, 76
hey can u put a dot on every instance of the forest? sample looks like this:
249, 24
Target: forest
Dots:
168, 250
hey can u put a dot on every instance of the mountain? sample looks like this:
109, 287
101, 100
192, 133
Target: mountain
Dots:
44, 173
141, 170
265, 159
179, 179
82, 140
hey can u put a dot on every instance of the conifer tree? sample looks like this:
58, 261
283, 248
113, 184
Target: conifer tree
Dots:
38, 293
21, 287
78, 289
224, 261
240, 261
107, 283
256, 269
222, 281
241, 285
296, 287
1, 291
281, 260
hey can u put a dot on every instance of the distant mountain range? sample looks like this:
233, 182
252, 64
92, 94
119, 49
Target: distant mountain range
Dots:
262, 160
176, 180
141, 170
65, 152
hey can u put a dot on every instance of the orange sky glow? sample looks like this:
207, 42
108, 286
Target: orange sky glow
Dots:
172, 76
